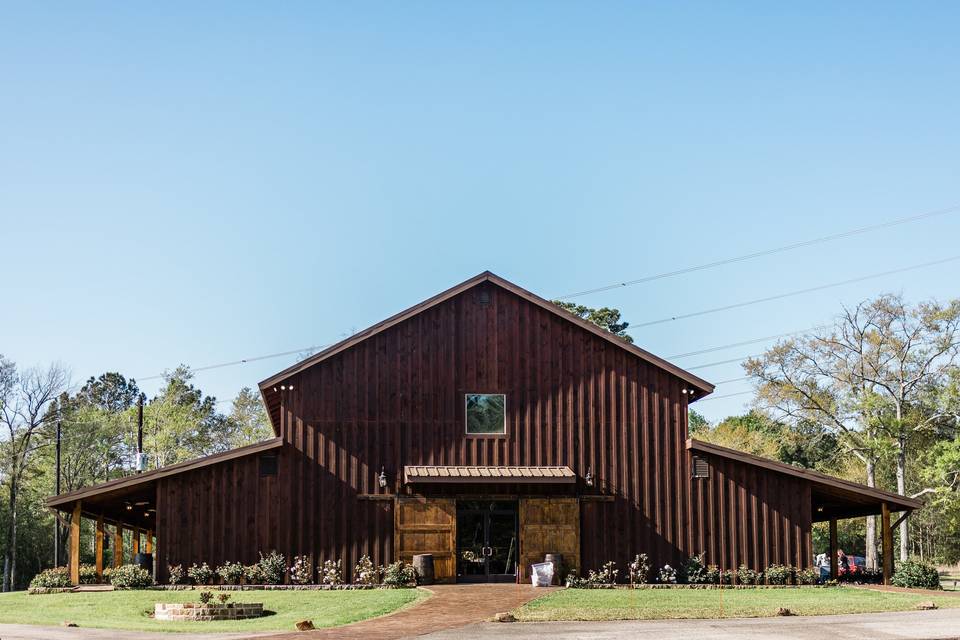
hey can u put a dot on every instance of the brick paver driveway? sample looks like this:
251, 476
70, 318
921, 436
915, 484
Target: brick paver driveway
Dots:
449, 607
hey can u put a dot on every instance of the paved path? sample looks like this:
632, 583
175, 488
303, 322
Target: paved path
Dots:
33, 632
449, 607
912, 625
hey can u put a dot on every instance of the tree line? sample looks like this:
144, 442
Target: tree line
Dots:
98, 425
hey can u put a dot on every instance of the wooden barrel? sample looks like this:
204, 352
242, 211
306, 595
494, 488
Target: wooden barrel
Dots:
423, 563
557, 560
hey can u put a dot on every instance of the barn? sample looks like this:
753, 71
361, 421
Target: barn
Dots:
488, 427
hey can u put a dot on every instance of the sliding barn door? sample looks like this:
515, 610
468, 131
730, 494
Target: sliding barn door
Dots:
549, 525
427, 525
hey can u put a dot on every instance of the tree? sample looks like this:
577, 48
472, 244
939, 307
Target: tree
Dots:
25, 399
606, 318
248, 421
696, 423
867, 379
181, 423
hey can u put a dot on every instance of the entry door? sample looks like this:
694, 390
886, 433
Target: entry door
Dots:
487, 549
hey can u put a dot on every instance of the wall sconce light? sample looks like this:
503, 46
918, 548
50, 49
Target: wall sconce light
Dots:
589, 477
129, 506
382, 479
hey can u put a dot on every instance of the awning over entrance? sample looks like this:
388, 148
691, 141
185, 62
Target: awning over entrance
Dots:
441, 474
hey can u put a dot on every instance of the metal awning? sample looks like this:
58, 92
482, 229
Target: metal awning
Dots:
529, 475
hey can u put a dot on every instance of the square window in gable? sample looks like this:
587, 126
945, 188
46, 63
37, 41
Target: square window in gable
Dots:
486, 413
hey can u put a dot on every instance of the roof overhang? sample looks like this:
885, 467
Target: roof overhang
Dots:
270, 388
420, 474
113, 499
832, 497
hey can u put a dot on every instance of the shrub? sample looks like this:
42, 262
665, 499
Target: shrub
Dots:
746, 575
399, 574
230, 572
725, 576
713, 574
779, 574
88, 574
130, 576
639, 569
810, 575
273, 566
223, 596
668, 575
206, 597
253, 574
200, 574
54, 578
574, 581
331, 572
176, 573
693, 570
301, 571
365, 572
107, 572
607, 575
916, 575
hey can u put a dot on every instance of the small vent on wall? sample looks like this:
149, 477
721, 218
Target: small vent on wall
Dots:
701, 468
268, 465
483, 296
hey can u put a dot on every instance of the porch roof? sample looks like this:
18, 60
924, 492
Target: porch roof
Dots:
832, 497
451, 474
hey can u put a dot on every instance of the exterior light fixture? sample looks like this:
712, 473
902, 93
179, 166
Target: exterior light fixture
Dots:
382, 479
129, 507
589, 477
683, 391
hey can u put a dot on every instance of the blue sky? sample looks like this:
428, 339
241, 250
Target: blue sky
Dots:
198, 185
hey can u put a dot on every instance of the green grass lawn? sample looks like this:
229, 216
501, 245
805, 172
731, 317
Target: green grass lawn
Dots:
651, 604
131, 609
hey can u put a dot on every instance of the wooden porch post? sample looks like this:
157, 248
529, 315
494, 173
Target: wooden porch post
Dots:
75, 544
118, 545
136, 541
99, 548
887, 541
149, 542
833, 549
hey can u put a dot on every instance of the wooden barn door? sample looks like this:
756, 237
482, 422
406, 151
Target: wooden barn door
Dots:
427, 525
549, 525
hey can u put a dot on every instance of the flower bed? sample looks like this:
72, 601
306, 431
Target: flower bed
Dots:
660, 585
208, 612
271, 587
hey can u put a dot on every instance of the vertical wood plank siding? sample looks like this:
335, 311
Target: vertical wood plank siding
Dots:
397, 398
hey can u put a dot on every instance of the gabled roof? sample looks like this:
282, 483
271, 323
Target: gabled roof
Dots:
271, 396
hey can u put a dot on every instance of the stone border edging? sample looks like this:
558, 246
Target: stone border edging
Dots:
207, 612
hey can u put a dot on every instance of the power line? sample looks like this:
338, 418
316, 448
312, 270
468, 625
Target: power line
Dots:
745, 342
726, 395
766, 252
798, 292
242, 361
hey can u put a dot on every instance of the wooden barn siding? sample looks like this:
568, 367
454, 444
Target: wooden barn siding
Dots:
397, 398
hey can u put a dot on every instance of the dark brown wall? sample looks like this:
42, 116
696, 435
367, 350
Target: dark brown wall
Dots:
397, 398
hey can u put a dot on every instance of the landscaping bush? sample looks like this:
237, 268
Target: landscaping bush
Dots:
916, 575
58, 577
301, 571
130, 576
200, 574
668, 575
331, 572
176, 573
725, 576
574, 581
693, 571
88, 574
607, 575
779, 574
713, 574
230, 572
206, 597
273, 566
366, 572
639, 569
746, 575
253, 574
399, 574
107, 572
810, 575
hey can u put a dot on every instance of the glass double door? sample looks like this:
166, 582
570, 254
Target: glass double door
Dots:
487, 549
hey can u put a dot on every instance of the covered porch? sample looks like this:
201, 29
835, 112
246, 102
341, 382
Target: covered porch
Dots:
834, 499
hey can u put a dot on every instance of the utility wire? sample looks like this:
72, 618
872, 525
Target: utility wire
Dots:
766, 252
243, 361
745, 342
798, 292
726, 395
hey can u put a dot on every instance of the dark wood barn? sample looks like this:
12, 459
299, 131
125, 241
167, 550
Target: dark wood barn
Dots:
488, 427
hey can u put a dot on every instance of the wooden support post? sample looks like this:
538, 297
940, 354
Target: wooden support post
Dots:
118, 545
834, 569
149, 541
887, 542
75, 544
136, 541
99, 548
